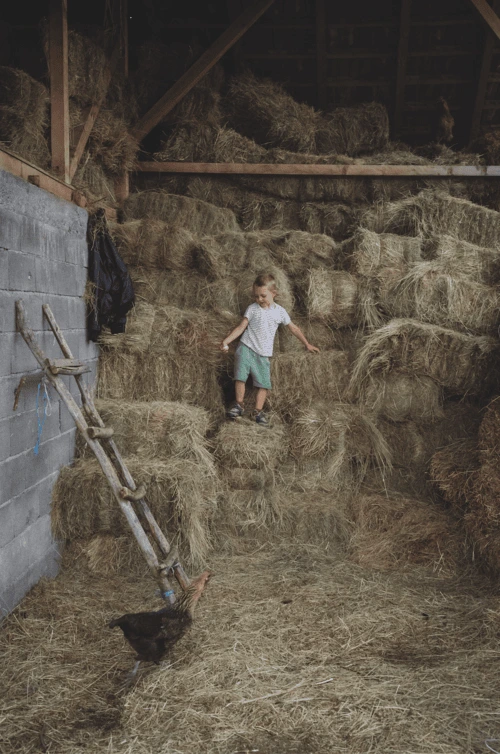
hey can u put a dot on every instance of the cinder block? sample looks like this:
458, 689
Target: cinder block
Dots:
21, 271
8, 311
60, 277
7, 517
14, 560
10, 230
4, 266
13, 477
14, 193
5, 439
24, 427
12, 593
52, 454
24, 510
77, 251
58, 213
43, 240
7, 344
40, 540
33, 305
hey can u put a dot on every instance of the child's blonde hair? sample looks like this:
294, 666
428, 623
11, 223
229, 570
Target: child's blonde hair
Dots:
265, 279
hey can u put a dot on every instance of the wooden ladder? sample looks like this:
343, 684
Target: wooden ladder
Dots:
100, 439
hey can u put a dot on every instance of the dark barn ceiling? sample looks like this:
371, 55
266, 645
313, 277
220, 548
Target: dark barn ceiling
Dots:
350, 57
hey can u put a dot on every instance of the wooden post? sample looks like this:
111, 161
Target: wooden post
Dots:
404, 37
204, 63
59, 102
482, 82
321, 59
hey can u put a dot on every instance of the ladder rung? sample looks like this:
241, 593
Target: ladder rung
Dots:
67, 366
100, 432
135, 495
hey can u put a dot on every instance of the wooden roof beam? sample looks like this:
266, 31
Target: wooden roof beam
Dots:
489, 15
201, 67
404, 38
245, 168
59, 98
482, 82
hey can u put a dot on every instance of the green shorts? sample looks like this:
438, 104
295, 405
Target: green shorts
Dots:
248, 362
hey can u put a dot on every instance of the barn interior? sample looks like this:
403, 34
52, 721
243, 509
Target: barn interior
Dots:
354, 153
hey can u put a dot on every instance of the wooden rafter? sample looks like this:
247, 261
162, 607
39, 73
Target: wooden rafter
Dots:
404, 38
204, 63
482, 83
59, 99
321, 56
236, 168
489, 16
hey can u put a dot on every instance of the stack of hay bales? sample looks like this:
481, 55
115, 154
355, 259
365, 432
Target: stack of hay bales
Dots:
24, 116
164, 445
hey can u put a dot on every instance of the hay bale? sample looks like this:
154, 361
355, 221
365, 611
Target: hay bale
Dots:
344, 436
110, 144
353, 130
243, 444
315, 517
297, 251
319, 334
262, 110
480, 264
24, 115
258, 211
372, 255
91, 179
106, 555
304, 377
331, 297
159, 376
454, 470
158, 429
435, 292
168, 288
435, 212
137, 335
392, 530
155, 244
249, 479
182, 496
402, 397
462, 363
197, 216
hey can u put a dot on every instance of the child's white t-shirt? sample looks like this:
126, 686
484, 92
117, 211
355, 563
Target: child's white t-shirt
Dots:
262, 326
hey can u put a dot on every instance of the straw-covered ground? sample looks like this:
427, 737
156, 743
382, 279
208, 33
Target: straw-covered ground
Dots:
294, 649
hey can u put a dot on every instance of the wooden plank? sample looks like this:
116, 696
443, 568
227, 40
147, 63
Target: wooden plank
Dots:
233, 168
482, 82
204, 63
122, 187
59, 102
404, 37
321, 58
16, 166
489, 16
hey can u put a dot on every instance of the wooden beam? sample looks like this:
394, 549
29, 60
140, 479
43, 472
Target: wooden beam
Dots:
236, 168
59, 101
321, 57
482, 82
204, 63
489, 16
404, 38
94, 112
234, 9
13, 164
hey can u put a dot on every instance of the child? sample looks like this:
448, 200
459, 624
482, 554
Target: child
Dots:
257, 329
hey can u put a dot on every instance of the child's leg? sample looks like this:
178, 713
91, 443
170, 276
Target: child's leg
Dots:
239, 389
261, 398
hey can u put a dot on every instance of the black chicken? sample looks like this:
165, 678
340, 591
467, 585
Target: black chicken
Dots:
153, 634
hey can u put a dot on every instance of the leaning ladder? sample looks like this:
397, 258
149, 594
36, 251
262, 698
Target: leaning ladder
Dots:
100, 439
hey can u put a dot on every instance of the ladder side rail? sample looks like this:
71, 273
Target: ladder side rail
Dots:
102, 458
91, 410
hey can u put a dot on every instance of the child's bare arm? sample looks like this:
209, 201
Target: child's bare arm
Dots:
234, 333
300, 335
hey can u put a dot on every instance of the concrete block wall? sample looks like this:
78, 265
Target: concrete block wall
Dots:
43, 259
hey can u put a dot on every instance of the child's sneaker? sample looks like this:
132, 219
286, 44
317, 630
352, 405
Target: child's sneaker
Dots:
261, 419
235, 412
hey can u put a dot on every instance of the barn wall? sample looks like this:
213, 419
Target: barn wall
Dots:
43, 259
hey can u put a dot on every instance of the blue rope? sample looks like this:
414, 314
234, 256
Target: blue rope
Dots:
41, 422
